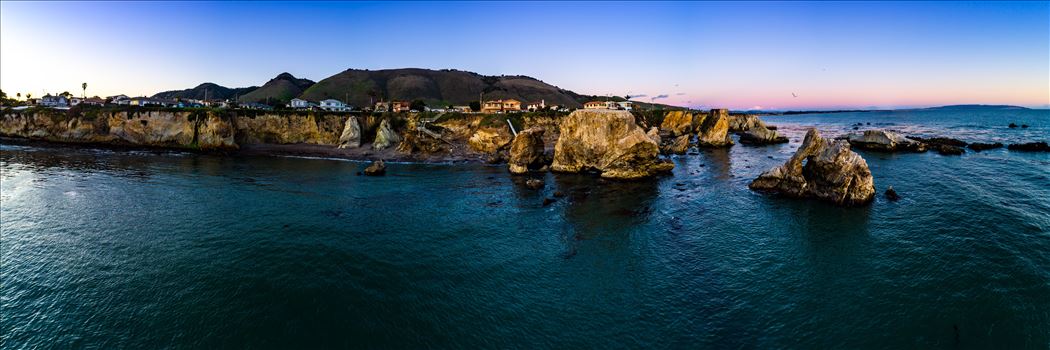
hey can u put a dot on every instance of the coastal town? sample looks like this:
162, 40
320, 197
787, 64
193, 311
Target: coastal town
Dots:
66, 100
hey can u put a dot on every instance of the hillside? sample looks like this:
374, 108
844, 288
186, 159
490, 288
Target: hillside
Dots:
282, 88
212, 90
435, 87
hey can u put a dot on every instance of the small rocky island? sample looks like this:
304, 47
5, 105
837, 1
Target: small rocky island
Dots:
831, 172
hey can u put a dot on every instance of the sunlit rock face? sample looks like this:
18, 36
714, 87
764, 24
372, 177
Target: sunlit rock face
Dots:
822, 169
609, 142
714, 130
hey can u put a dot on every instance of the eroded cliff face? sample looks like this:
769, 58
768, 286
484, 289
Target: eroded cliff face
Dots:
823, 169
200, 130
287, 129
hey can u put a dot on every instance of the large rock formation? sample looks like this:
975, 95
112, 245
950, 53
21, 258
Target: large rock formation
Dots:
654, 134
318, 129
526, 151
885, 141
377, 168
759, 135
738, 123
714, 131
832, 172
678, 123
351, 137
607, 141
680, 145
385, 136
489, 140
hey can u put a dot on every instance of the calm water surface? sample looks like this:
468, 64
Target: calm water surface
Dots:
105, 249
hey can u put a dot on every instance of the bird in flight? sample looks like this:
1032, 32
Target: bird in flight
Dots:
793, 95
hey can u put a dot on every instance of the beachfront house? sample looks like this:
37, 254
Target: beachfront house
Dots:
53, 101
93, 101
625, 105
255, 106
381, 107
400, 106
596, 105
501, 106
298, 103
462, 109
123, 100
535, 106
334, 105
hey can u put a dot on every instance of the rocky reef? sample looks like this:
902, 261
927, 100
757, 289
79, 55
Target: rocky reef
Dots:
714, 130
745, 122
760, 135
884, 141
822, 169
526, 152
609, 142
1030, 147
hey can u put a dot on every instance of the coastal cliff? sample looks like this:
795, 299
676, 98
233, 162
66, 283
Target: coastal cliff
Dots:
195, 130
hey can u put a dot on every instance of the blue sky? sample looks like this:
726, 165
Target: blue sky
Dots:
730, 54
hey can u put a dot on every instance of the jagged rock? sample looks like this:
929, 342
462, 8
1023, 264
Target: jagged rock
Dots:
489, 140
377, 168
609, 142
526, 151
940, 141
760, 135
976, 146
678, 123
654, 134
738, 123
892, 195
351, 137
714, 131
1030, 147
534, 184
885, 141
832, 172
385, 136
680, 145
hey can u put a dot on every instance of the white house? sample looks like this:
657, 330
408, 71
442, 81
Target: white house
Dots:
625, 105
53, 101
119, 100
300, 103
334, 105
537, 106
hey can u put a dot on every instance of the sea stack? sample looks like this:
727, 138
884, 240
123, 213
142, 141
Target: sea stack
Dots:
526, 152
832, 172
609, 142
351, 137
714, 130
385, 136
678, 123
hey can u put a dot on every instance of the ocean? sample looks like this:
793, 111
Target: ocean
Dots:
154, 249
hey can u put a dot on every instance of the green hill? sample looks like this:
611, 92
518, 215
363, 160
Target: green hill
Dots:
435, 87
211, 90
280, 89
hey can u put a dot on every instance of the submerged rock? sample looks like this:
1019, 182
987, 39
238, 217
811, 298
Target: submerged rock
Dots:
714, 131
976, 146
1030, 147
1012, 125
832, 172
885, 141
680, 145
351, 137
892, 194
609, 142
760, 135
738, 123
385, 136
526, 151
377, 168
678, 123
534, 184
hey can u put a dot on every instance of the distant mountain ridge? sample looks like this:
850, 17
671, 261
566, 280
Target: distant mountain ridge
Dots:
977, 106
360, 87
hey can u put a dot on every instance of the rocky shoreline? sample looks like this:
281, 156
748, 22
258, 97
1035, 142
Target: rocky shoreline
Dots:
613, 144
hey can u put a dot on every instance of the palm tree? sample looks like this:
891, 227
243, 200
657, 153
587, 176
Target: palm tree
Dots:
19, 95
83, 87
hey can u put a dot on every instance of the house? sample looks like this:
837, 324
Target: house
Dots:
334, 105
189, 103
73, 101
119, 100
93, 101
147, 102
501, 106
625, 105
255, 105
301, 104
462, 109
596, 105
53, 101
535, 106
400, 106
382, 107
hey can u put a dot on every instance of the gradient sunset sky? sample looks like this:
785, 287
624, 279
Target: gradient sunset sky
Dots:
728, 54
